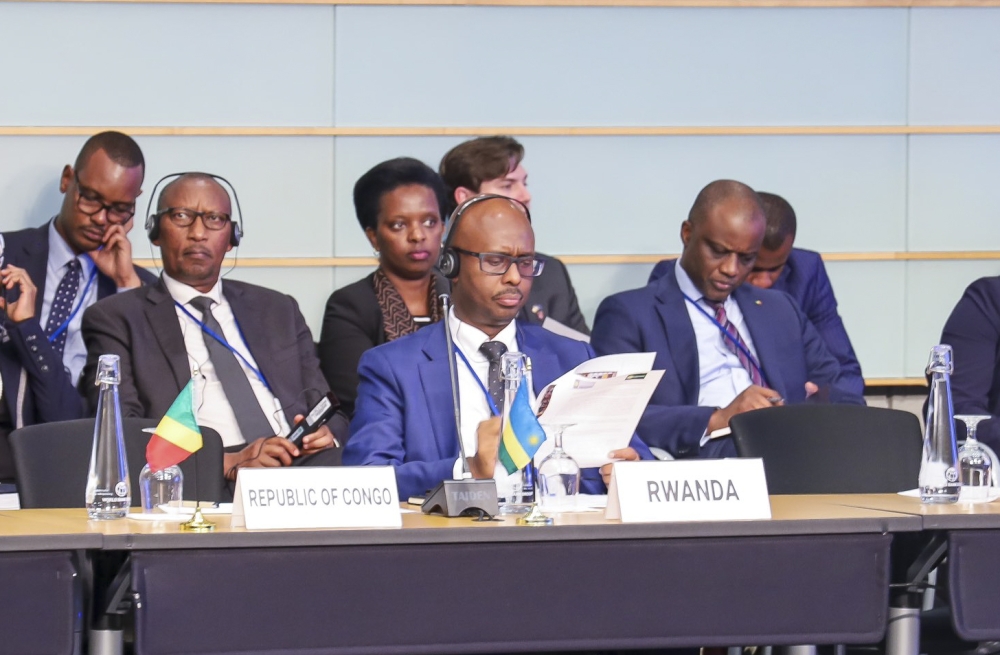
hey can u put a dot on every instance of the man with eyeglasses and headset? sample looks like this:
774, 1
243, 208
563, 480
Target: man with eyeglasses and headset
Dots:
247, 347
50, 274
404, 415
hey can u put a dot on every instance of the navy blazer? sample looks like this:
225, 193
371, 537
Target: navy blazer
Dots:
44, 393
973, 332
654, 318
804, 278
404, 416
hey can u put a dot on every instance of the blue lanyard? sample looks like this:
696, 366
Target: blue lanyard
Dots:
210, 332
727, 335
79, 304
489, 398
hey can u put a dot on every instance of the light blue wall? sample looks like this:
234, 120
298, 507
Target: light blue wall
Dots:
395, 66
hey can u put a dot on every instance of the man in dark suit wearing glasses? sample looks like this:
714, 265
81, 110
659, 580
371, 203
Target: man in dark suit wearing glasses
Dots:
50, 274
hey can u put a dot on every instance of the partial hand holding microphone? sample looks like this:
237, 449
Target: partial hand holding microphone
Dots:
466, 496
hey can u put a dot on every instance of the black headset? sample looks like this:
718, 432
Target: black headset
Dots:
153, 219
448, 262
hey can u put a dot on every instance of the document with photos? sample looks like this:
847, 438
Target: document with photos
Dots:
600, 402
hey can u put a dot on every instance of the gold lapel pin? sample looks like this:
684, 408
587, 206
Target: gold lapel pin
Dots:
758, 302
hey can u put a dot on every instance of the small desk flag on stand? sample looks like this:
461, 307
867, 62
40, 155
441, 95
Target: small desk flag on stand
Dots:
522, 434
177, 435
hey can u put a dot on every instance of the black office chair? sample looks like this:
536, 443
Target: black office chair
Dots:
832, 449
51, 462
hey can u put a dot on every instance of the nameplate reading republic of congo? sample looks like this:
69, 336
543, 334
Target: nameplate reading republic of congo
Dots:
320, 497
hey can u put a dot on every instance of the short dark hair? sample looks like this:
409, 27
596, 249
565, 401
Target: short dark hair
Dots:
121, 149
387, 177
715, 192
780, 216
486, 158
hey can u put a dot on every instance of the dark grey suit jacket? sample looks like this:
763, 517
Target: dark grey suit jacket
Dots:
552, 295
141, 327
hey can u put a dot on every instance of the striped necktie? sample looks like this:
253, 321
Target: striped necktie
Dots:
732, 339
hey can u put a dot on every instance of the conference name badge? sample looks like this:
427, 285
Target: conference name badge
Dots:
316, 497
688, 490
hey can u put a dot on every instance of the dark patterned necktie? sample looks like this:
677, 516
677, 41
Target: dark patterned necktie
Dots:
734, 337
494, 351
249, 416
62, 305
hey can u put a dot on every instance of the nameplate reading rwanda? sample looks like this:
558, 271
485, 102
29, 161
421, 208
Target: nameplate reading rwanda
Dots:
316, 497
688, 490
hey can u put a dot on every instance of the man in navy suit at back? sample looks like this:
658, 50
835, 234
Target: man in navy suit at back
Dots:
801, 274
725, 348
52, 273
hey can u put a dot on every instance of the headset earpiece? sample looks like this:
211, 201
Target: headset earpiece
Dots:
235, 235
153, 227
449, 261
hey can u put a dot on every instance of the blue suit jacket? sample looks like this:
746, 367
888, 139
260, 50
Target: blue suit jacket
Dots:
404, 416
804, 278
49, 394
973, 332
655, 319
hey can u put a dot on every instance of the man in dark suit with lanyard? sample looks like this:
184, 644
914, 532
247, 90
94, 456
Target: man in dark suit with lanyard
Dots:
50, 274
248, 348
725, 348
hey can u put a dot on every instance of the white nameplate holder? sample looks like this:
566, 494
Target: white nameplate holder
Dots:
316, 497
688, 490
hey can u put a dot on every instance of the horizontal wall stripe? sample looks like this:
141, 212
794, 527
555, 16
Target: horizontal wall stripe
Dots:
895, 382
583, 3
319, 262
708, 130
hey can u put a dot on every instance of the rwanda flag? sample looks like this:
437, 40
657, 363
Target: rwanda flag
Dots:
177, 435
522, 435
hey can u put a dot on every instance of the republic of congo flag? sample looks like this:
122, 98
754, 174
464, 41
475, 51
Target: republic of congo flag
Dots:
177, 435
522, 435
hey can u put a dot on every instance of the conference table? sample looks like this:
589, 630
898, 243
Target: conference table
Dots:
973, 546
816, 572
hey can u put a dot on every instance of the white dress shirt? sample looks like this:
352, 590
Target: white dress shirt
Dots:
60, 254
720, 373
474, 405
212, 406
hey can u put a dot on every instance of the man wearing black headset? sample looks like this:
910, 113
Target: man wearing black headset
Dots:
248, 348
50, 274
404, 415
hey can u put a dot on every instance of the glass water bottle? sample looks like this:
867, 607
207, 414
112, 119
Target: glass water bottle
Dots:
108, 489
939, 475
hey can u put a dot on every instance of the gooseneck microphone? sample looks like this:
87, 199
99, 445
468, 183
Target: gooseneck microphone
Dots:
453, 374
465, 496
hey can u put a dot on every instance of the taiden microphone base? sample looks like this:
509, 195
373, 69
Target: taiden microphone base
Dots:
454, 498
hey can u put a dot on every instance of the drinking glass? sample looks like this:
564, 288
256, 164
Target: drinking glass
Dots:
975, 463
558, 475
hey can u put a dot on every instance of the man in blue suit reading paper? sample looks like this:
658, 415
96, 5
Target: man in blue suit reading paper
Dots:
404, 415
726, 348
801, 274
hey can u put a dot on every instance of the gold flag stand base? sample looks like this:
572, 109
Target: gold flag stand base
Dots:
535, 517
198, 523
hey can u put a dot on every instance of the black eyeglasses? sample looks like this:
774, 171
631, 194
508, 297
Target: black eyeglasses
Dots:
184, 217
497, 263
91, 202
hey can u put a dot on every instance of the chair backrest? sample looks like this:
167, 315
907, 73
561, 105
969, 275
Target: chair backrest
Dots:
52, 460
820, 449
